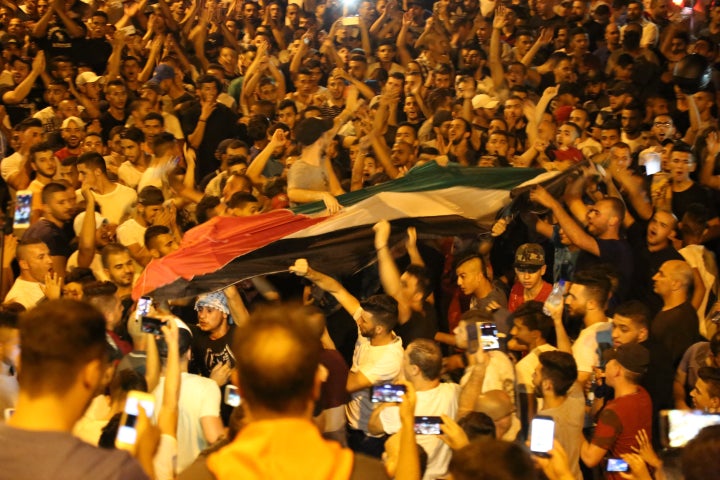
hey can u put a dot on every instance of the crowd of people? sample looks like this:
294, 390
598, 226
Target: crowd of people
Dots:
124, 125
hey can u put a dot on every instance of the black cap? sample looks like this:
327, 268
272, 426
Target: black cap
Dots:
309, 130
631, 356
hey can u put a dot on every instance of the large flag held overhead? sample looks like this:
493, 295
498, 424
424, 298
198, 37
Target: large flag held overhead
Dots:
436, 200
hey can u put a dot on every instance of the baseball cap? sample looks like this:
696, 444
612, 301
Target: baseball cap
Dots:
76, 120
216, 300
150, 195
484, 101
529, 255
309, 130
162, 72
80, 218
632, 356
86, 77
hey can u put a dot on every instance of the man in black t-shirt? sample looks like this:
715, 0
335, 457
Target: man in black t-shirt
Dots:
212, 338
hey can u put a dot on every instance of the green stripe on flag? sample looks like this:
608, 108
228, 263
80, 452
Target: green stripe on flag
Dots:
431, 176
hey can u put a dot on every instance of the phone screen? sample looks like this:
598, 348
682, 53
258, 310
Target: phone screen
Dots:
428, 425
617, 465
143, 307
684, 425
472, 337
127, 433
542, 433
389, 393
489, 336
232, 396
23, 207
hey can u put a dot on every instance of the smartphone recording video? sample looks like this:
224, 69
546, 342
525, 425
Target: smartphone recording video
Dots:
542, 434
127, 432
388, 393
428, 425
489, 336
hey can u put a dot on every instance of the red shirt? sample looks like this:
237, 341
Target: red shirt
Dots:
517, 295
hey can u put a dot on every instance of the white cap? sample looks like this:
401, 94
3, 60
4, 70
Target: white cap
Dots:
76, 120
484, 101
77, 223
86, 77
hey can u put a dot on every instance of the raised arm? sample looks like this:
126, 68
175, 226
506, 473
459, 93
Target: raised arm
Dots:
17, 95
327, 283
572, 229
497, 72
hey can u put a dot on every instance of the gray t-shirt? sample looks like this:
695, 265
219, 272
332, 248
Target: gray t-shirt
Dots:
569, 419
30, 455
305, 176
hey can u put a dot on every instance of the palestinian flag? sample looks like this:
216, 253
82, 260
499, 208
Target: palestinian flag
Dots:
441, 201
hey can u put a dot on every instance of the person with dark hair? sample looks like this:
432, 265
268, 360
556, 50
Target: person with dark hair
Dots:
377, 358
416, 315
279, 386
15, 168
474, 280
209, 207
601, 243
149, 210
686, 191
510, 460
159, 241
114, 198
701, 456
62, 356
706, 394
532, 332
54, 228
206, 123
243, 204
554, 381
116, 94
119, 267
701, 354
44, 163
135, 159
585, 304
477, 425
422, 367
103, 296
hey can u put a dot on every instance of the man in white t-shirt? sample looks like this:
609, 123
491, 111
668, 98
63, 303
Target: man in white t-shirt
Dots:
199, 423
114, 199
136, 160
148, 211
35, 263
422, 366
586, 301
530, 332
377, 358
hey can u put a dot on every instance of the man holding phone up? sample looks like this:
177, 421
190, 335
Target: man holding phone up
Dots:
377, 359
63, 360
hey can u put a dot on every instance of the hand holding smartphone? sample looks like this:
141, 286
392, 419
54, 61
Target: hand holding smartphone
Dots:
127, 432
428, 425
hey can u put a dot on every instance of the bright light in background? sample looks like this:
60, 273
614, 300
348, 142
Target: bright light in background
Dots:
678, 2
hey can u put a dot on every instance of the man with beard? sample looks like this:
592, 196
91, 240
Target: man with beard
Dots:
152, 92
116, 95
44, 163
72, 131
650, 32
148, 211
114, 199
135, 159
530, 333
54, 228
15, 168
377, 359
631, 121
554, 380
120, 269
601, 243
